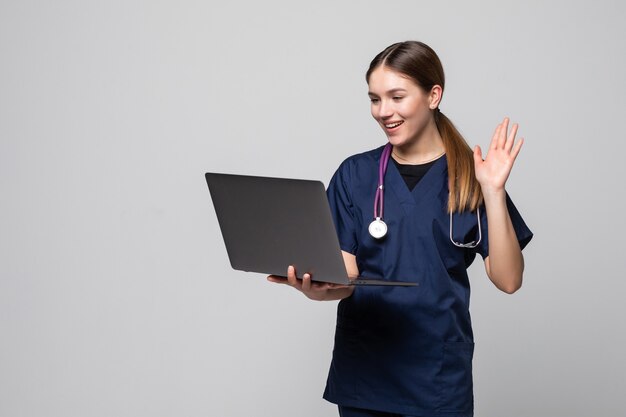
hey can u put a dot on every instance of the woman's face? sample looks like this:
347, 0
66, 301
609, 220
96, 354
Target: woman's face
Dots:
399, 105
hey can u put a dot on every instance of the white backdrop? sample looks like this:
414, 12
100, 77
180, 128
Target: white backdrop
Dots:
116, 295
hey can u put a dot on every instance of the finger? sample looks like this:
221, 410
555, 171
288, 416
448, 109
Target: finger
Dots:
517, 148
292, 279
277, 279
291, 275
494, 138
478, 156
511, 139
306, 282
502, 134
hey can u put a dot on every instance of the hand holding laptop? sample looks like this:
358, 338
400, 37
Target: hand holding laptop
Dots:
319, 291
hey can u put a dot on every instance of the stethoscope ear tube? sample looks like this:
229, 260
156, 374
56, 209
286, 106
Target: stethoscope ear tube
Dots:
382, 169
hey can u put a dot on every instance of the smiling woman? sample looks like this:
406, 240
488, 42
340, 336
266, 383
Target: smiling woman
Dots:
413, 101
408, 351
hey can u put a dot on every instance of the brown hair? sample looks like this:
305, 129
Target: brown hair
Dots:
420, 63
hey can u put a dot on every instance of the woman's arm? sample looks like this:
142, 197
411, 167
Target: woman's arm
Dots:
505, 263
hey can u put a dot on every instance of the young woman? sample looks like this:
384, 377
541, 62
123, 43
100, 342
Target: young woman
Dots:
407, 351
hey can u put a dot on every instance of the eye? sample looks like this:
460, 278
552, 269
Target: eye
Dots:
374, 100
397, 98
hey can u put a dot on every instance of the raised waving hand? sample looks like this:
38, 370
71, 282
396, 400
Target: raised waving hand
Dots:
493, 172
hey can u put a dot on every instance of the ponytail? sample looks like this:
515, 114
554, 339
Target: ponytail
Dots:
465, 192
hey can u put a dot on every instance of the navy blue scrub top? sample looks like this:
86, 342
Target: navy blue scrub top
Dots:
406, 350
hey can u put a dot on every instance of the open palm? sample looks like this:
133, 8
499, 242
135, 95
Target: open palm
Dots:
493, 172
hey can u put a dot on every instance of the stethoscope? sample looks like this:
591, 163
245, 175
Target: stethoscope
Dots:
378, 227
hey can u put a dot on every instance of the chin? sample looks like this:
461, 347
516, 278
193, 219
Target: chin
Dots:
397, 140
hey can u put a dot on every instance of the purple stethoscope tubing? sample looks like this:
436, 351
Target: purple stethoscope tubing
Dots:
382, 169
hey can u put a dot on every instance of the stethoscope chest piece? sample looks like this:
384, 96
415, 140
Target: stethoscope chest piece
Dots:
378, 228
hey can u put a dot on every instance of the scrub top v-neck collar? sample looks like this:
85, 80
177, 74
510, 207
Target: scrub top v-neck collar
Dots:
431, 181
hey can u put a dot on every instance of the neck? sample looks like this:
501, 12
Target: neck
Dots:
428, 145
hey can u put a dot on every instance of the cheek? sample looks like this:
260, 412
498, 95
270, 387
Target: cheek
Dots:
407, 108
415, 113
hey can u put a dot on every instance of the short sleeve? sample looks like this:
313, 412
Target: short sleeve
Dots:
342, 209
523, 233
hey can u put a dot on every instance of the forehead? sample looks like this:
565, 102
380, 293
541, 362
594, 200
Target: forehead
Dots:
383, 79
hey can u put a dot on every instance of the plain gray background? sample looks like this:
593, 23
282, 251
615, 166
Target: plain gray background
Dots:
116, 295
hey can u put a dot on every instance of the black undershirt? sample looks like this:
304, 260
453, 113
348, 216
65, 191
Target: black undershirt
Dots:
412, 174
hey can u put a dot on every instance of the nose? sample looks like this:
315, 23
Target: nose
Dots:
385, 109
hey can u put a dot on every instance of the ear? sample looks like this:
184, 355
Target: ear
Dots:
434, 97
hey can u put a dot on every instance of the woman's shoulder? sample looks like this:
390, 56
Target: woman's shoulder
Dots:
359, 168
362, 158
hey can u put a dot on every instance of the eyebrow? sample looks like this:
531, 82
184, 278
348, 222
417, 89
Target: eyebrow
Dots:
393, 90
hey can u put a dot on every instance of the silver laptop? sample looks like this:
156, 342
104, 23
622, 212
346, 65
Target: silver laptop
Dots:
271, 223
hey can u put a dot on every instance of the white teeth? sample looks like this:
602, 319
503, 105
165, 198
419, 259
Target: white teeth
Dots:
391, 126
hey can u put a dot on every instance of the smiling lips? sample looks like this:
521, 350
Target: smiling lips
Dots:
393, 125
